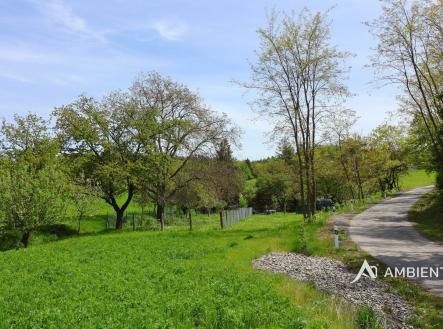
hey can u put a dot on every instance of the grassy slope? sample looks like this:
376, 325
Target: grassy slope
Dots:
416, 178
171, 279
427, 213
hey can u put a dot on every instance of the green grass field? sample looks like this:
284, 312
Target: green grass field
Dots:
416, 178
170, 279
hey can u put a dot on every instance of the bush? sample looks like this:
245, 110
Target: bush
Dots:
60, 230
10, 239
367, 318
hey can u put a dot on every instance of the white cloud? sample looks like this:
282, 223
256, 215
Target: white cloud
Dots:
170, 31
59, 13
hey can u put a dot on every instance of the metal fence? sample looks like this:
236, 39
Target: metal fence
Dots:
148, 221
231, 216
133, 220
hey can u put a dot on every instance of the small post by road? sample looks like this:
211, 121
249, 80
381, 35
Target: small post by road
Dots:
385, 194
336, 240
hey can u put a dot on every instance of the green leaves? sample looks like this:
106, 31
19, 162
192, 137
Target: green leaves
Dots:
32, 186
31, 197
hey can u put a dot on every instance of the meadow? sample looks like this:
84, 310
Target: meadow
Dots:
415, 178
170, 279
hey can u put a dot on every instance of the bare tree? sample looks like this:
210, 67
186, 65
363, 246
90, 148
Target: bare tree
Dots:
299, 77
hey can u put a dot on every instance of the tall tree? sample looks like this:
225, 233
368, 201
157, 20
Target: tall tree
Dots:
186, 129
410, 54
337, 130
224, 152
225, 176
388, 145
102, 143
299, 77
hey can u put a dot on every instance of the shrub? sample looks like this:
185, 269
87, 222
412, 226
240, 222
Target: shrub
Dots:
367, 318
9, 239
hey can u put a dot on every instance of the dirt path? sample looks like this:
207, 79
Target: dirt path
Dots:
384, 232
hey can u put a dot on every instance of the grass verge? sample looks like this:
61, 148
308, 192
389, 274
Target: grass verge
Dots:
427, 214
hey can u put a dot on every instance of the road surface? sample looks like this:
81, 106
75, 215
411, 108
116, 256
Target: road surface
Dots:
384, 232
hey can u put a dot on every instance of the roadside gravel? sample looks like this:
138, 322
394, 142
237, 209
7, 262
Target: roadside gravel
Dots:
332, 276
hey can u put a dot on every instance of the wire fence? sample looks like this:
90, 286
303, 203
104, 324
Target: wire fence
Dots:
232, 216
172, 217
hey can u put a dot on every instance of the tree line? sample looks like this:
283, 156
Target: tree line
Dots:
350, 167
156, 140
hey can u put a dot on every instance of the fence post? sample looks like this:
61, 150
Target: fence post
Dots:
190, 220
336, 240
221, 220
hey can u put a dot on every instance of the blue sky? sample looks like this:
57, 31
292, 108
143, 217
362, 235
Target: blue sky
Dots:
51, 51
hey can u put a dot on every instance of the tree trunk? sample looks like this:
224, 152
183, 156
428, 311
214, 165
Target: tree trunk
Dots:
160, 217
119, 211
302, 185
119, 220
307, 171
25, 238
78, 226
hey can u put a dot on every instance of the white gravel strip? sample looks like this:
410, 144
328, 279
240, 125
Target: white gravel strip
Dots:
332, 276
